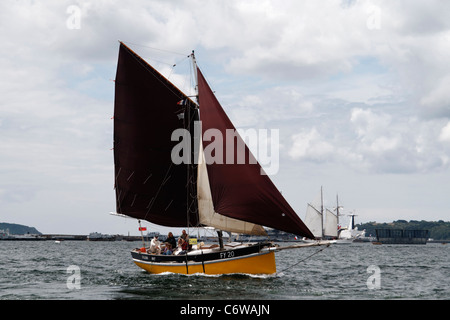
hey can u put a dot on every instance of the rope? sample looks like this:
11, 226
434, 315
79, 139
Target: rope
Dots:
156, 74
153, 48
320, 250
166, 177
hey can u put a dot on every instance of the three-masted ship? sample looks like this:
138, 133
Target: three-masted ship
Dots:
200, 192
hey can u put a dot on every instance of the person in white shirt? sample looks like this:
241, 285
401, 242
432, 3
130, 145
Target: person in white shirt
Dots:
155, 246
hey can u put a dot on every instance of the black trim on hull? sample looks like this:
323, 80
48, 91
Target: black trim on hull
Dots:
200, 257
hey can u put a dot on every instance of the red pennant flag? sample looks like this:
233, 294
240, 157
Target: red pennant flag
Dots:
142, 228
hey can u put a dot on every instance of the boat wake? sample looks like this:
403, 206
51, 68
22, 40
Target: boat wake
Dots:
223, 276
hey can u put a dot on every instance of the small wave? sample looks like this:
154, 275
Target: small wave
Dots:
225, 275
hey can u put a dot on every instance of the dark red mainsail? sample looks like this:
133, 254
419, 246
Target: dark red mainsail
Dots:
148, 184
240, 191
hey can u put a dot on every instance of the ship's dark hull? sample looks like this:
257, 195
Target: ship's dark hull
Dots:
399, 236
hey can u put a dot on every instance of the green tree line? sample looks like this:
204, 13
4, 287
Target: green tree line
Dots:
439, 230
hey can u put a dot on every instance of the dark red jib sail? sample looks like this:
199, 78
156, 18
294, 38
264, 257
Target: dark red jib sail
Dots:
239, 190
148, 184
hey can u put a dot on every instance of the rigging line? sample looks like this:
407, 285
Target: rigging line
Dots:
153, 48
160, 61
173, 65
210, 84
157, 192
118, 191
173, 68
170, 86
193, 77
190, 205
318, 251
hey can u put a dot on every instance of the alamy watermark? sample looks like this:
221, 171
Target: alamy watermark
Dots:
374, 281
373, 22
229, 147
74, 280
73, 22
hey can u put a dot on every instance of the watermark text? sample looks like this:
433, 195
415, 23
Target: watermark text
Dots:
228, 147
73, 22
74, 280
374, 281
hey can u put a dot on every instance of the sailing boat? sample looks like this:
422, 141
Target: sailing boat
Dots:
324, 223
231, 197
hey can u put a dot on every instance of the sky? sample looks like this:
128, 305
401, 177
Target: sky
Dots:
358, 91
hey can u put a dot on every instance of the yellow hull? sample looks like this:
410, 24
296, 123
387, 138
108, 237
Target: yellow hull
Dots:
260, 263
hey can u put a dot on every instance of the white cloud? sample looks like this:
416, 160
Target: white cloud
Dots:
311, 146
368, 124
295, 43
372, 99
305, 40
268, 107
403, 144
439, 96
373, 141
445, 133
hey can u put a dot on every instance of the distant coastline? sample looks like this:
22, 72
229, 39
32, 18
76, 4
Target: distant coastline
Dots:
439, 232
14, 228
18, 232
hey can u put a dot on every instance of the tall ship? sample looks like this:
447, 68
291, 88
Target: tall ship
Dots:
320, 220
153, 119
324, 223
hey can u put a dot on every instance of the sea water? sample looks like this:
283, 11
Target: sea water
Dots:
82, 270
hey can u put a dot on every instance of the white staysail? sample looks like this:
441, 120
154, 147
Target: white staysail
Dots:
313, 220
331, 221
314, 216
207, 215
